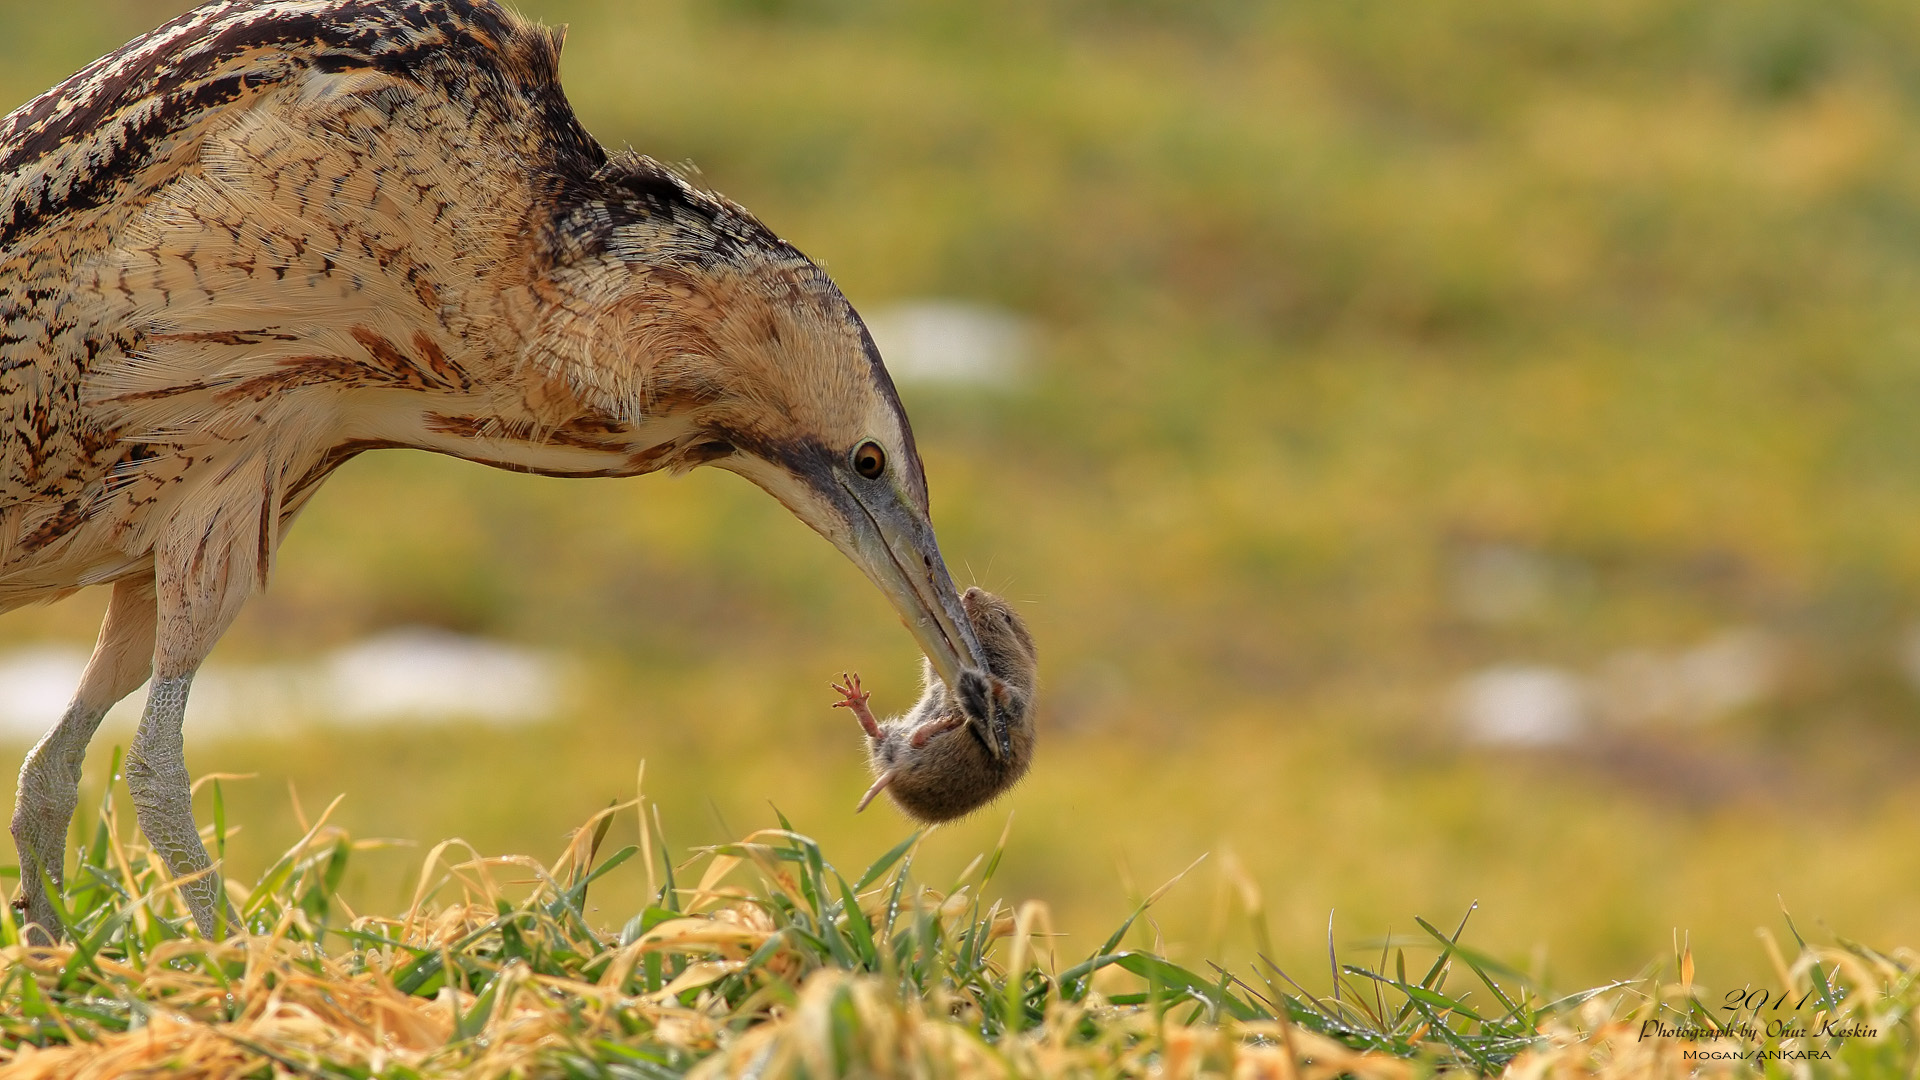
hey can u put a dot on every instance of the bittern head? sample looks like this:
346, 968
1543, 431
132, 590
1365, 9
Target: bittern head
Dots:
682, 318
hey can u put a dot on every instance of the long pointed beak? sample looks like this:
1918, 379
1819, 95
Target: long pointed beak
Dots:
891, 539
902, 558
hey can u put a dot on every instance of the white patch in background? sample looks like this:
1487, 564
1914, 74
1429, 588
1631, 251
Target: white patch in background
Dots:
951, 342
36, 682
413, 676
1519, 705
1643, 687
1526, 705
418, 673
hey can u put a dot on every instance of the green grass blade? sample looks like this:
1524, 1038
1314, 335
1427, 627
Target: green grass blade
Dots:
859, 932
1816, 971
669, 895
475, 1021
1162, 972
881, 865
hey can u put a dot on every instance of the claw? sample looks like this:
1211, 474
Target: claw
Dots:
851, 691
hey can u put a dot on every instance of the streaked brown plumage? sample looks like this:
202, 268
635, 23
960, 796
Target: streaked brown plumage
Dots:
275, 234
930, 761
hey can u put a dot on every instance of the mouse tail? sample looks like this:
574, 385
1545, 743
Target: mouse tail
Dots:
885, 779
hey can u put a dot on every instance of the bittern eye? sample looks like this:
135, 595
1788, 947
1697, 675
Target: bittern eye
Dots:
869, 460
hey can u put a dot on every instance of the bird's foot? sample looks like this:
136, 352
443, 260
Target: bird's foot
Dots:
854, 698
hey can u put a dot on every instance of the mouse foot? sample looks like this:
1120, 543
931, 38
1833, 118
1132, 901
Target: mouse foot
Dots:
936, 727
852, 697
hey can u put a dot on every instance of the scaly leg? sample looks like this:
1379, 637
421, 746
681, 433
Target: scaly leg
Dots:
854, 698
197, 596
163, 799
50, 778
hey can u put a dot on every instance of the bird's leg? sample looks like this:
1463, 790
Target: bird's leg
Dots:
42, 812
192, 613
50, 778
855, 699
163, 798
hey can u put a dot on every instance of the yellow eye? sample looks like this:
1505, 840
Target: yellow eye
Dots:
869, 460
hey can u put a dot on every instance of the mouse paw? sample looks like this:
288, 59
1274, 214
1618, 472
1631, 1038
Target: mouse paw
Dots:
936, 727
976, 694
851, 692
854, 698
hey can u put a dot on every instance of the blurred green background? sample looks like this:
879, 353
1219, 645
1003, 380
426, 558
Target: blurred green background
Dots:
1385, 357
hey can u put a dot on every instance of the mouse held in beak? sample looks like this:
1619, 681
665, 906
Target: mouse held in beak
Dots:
934, 761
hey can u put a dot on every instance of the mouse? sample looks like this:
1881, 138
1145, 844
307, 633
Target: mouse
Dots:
931, 761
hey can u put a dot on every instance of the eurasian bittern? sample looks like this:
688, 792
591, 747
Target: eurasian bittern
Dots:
274, 234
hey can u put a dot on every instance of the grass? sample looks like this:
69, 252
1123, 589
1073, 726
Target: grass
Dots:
759, 957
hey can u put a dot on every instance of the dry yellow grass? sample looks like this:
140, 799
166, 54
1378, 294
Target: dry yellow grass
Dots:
759, 958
